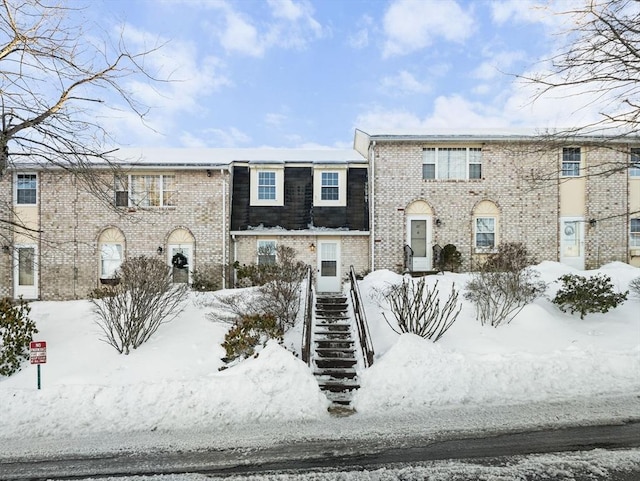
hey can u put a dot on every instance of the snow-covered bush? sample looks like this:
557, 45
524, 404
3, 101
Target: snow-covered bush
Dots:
416, 308
248, 332
279, 287
130, 312
634, 286
504, 285
587, 294
16, 332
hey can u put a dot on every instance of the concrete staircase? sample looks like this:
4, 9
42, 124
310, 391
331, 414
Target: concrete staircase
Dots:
334, 349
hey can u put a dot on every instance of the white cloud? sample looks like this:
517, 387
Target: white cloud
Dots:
274, 119
497, 65
286, 9
239, 35
411, 25
532, 11
291, 25
187, 79
231, 137
360, 37
405, 82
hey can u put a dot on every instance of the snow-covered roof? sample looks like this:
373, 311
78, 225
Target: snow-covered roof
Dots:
209, 157
496, 134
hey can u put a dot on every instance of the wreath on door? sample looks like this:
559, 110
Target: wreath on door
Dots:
179, 260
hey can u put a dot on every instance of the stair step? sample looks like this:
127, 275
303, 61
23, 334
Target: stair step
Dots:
336, 373
342, 398
336, 343
334, 335
338, 386
335, 353
334, 326
333, 363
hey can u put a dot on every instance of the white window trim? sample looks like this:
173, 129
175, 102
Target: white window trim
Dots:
468, 162
341, 201
481, 249
580, 163
15, 188
253, 179
104, 275
130, 202
634, 172
275, 249
634, 237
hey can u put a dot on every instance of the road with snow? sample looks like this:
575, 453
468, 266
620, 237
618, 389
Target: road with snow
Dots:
340, 454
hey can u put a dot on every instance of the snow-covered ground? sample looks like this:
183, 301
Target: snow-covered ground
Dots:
172, 384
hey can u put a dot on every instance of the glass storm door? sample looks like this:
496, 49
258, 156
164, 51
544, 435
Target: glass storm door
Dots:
572, 241
419, 237
181, 272
328, 266
25, 272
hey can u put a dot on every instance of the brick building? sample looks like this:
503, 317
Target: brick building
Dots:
576, 202
383, 204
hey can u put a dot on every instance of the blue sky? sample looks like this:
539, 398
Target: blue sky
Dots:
306, 73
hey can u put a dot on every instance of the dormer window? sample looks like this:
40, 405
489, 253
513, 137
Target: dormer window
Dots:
330, 187
267, 185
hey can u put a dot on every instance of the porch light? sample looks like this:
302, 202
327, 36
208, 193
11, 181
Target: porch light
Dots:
438, 222
5, 249
312, 247
159, 250
592, 222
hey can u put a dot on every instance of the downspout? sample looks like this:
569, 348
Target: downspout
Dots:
372, 203
224, 229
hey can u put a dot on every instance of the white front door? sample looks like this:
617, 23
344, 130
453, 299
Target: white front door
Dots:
181, 273
419, 239
328, 266
572, 241
25, 271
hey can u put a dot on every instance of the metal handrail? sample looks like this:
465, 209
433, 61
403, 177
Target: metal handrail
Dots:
308, 315
361, 320
408, 258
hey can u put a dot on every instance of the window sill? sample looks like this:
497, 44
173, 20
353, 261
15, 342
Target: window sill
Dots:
453, 180
485, 250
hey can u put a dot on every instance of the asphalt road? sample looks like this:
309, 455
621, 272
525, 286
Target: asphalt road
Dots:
336, 454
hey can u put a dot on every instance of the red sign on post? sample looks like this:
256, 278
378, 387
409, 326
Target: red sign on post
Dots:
38, 353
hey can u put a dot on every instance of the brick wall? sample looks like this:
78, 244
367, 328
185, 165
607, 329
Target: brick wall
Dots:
354, 250
73, 219
607, 203
528, 211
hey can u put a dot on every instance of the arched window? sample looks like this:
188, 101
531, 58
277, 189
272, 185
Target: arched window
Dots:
111, 247
486, 216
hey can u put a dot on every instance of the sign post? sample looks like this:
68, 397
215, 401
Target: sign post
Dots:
38, 355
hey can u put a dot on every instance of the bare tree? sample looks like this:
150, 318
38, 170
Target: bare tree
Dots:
132, 310
51, 74
599, 63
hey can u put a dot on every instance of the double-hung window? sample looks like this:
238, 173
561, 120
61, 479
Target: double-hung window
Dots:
145, 190
634, 168
485, 233
110, 259
447, 163
330, 185
266, 252
634, 233
26, 189
330, 189
266, 185
571, 161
